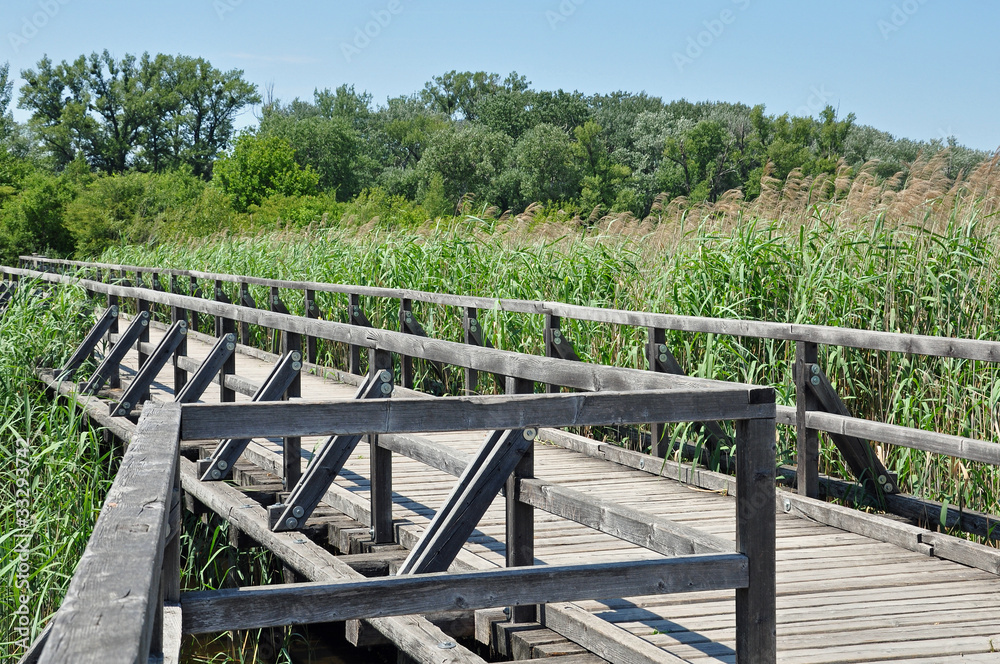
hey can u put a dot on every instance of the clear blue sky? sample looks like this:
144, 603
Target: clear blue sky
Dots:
916, 68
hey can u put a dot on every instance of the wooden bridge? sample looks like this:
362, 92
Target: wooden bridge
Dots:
598, 552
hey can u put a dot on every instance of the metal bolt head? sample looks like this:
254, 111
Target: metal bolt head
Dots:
882, 479
182, 324
114, 310
814, 380
408, 315
662, 357
291, 523
216, 474
222, 464
386, 389
296, 356
385, 376
642, 464
230, 346
126, 406
298, 511
296, 366
529, 434
446, 645
787, 505
473, 323
815, 369
662, 348
231, 337
144, 322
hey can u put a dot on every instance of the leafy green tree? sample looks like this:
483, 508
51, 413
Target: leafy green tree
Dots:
34, 219
469, 159
260, 166
148, 112
544, 165
459, 93
603, 183
329, 146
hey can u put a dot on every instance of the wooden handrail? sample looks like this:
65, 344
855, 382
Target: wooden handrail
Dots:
916, 344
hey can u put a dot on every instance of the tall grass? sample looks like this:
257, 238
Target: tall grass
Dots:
65, 469
827, 268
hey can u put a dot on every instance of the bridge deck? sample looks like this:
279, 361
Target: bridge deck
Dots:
841, 597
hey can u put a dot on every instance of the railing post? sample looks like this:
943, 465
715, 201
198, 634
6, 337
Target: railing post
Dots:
291, 342
405, 361
193, 291
381, 466
755, 538
521, 517
224, 326
551, 329
470, 326
807, 440
178, 314
354, 317
312, 311
115, 380
140, 306
245, 300
657, 337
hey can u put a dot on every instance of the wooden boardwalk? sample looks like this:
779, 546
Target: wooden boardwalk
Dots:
841, 597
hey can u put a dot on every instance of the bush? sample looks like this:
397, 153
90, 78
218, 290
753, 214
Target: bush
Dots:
33, 220
260, 166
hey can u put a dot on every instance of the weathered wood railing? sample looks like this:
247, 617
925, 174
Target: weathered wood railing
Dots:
698, 561
817, 408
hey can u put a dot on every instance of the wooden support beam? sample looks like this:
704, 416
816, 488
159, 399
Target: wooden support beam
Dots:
112, 621
410, 415
179, 314
110, 365
220, 465
305, 603
207, 370
807, 440
89, 343
325, 465
355, 316
756, 605
312, 311
143, 305
520, 523
246, 300
194, 291
381, 464
138, 390
858, 454
468, 501
291, 342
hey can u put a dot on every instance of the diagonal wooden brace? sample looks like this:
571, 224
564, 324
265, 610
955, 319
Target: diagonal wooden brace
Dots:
202, 378
139, 389
113, 359
86, 348
468, 501
857, 453
220, 464
325, 465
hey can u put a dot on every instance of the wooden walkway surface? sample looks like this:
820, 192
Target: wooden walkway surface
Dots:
841, 597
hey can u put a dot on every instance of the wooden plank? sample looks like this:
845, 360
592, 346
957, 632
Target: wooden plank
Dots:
108, 610
929, 441
755, 520
807, 440
408, 415
602, 638
520, 521
305, 603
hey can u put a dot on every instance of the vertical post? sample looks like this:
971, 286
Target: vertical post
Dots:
312, 311
244, 326
354, 351
521, 517
291, 458
381, 466
807, 440
115, 379
656, 336
194, 291
405, 361
140, 306
224, 326
551, 329
178, 314
755, 538
470, 323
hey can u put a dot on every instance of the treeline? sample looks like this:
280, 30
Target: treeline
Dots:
125, 150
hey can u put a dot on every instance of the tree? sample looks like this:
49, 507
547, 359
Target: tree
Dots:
152, 113
33, 221
327, 145
459, 93
7, 124
469, 159
260, 166
545, 167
